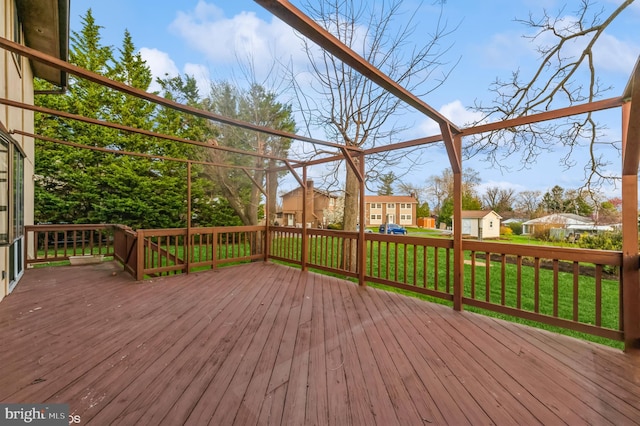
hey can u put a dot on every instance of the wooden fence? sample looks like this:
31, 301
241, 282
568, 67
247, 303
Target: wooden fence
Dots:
571, 288
54, 243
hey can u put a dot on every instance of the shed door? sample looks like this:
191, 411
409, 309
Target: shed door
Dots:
466, 227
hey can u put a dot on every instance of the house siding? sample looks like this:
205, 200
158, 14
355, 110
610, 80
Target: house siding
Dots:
317, 203
400, 209
17, 84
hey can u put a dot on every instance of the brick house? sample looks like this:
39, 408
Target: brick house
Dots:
400, 209
318, 202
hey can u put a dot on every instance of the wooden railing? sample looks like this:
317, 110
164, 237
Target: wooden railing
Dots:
423, 265
53, 243
172, 251
576, 289
572, 288
125, 241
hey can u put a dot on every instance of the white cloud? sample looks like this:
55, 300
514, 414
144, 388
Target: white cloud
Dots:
455, 112
161, 65
613, 54
243, 38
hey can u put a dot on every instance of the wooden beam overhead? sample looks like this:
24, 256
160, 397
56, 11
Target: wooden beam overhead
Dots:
309, 28
122, 127
544, 116
141, 94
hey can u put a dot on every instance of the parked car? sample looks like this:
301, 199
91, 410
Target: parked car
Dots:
392, 228
366, 231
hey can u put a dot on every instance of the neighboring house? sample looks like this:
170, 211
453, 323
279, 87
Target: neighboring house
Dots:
481, 224
400, 209
565, 225
42, 25
318, 202
508, 222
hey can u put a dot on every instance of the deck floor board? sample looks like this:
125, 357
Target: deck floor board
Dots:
264, 343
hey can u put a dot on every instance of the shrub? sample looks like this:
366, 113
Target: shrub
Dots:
542, 232
516, 228
601, 241
506, 231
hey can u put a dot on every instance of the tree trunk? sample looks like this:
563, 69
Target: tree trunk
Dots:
272, 193
351, 216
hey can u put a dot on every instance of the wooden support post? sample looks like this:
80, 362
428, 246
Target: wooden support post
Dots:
267, 234
304, 243
187, 245
630, 274
458, 254
362, 244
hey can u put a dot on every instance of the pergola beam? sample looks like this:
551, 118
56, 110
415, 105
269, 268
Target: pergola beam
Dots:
309, 28
129, 129
130, 153
141, 94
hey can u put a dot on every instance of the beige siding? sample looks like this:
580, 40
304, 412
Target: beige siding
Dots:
16, 82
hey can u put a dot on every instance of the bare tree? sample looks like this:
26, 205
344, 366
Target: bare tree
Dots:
347, 105
528, 203
558, 79
499, 199
440, 187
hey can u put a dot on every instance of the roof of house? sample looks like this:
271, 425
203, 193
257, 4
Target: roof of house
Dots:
46, 28
564, 218
315, 191
390, 199
478, 214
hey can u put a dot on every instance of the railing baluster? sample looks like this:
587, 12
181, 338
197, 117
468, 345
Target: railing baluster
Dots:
598, 283
519, 281
503, 286
473, 274
576, 277
555, 288
487, 267
536, 285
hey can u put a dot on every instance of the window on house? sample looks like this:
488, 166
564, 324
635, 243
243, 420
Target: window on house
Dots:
11, 191
490, 224
18, 194
4, 192
391, 205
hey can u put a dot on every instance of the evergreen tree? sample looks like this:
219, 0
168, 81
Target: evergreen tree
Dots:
386, 184
258, 106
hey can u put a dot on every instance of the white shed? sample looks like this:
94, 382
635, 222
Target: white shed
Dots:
481, 224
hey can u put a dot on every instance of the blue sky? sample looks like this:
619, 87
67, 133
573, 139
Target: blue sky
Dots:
208, 38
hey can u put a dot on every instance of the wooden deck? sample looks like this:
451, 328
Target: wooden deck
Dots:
268, 344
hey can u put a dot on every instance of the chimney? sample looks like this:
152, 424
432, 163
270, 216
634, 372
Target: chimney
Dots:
310, 207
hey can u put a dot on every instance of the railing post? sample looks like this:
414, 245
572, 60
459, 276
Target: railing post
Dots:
140, 258
458, 254
214, 249
361, 241
304, 245
630, 274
